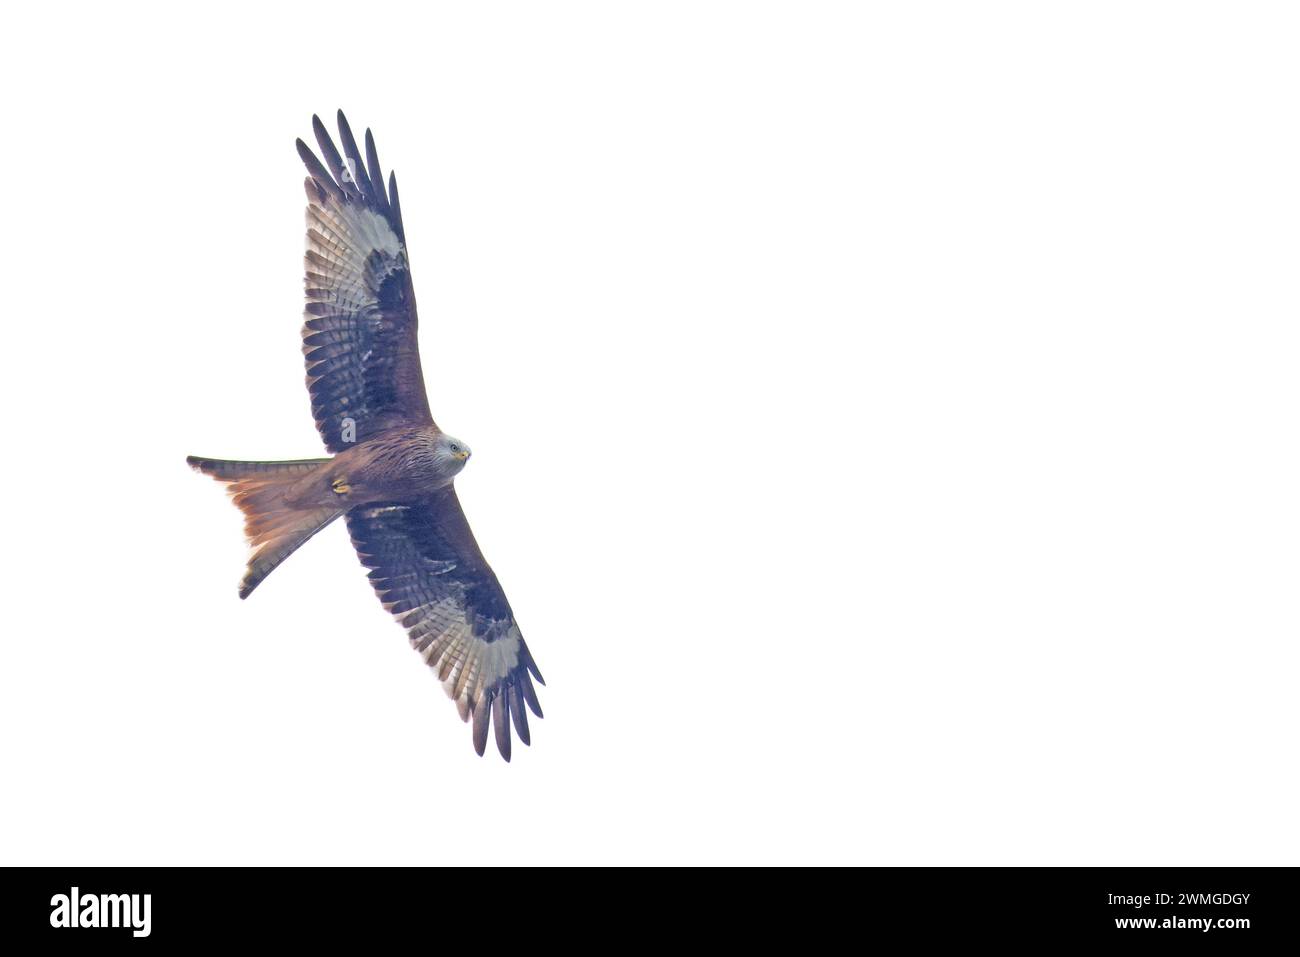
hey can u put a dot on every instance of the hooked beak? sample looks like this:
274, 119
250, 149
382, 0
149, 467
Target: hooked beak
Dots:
462, 455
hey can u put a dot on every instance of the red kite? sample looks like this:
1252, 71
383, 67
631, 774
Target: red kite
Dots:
393, 470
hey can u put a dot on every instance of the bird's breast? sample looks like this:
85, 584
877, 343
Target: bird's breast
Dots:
393, 467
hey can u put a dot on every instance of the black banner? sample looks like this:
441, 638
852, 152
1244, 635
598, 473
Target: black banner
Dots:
169, 906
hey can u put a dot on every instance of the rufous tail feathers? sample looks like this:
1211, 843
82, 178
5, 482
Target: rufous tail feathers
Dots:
274, 528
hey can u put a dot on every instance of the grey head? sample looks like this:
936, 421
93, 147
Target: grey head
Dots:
450, 455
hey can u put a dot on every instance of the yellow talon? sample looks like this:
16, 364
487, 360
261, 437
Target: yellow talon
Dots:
341, 486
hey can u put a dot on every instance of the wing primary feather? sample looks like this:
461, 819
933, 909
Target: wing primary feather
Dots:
331, 154
481, 724
532, 666
318, 172
354, 156
519, 714
376, 175
529, 693
501, 723
395, 205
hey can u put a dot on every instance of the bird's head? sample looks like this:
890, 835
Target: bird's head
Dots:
452, 454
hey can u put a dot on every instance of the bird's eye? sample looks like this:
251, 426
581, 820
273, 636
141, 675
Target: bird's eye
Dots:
455, 447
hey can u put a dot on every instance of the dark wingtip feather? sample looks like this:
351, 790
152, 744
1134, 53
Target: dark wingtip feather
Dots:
395, 206
354, 156
529, 693
519, 714
376, 175
317, 171
501, 723
322, 137
481, 725
332, 158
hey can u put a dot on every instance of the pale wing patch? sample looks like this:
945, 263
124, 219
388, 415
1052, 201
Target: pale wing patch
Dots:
466, 665
342, 239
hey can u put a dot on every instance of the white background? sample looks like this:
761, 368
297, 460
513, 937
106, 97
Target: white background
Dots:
884, 421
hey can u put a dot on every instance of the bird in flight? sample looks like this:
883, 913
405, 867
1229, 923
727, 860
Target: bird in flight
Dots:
392, 471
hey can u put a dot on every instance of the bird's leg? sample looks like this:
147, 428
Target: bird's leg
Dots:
341, 486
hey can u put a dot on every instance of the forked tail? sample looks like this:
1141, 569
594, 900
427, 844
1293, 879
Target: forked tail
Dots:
274, 528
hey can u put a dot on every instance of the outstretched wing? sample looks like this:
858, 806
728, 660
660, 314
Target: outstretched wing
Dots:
428, 571
363, 359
